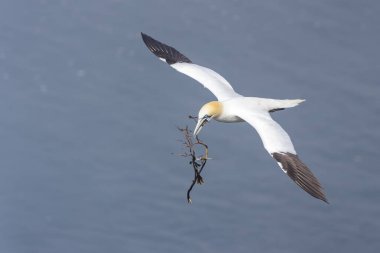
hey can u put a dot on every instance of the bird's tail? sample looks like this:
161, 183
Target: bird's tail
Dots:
281, 104
287, 103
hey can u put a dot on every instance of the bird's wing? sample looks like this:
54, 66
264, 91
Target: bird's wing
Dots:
207, 77
277, 142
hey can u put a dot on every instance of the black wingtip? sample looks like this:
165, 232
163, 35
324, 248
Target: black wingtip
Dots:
163, 51
144, 36
300, 174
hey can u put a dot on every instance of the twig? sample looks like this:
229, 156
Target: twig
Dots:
198, 163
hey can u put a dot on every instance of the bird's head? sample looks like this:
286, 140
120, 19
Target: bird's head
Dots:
206, 113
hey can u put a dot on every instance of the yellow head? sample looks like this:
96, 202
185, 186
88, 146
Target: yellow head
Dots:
206, 113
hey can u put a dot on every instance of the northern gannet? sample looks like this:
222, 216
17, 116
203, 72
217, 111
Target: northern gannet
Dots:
233, 107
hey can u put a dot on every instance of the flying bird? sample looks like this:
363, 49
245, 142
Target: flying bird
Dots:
233, 107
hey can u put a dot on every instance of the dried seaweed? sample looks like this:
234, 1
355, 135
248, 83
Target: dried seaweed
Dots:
197, 162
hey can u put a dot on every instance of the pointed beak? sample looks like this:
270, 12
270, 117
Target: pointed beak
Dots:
200, 124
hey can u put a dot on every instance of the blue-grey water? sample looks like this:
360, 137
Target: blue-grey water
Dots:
88, 121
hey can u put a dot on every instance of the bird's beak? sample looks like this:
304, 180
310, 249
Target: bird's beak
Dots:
201, 122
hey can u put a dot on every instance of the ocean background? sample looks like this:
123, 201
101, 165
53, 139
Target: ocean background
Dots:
89, 117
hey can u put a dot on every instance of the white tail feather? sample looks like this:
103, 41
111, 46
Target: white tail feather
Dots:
287, 103
273, 105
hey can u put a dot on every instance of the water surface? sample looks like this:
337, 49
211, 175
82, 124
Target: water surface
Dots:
89, 116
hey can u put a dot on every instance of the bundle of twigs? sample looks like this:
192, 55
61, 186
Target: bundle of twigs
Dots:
198, 162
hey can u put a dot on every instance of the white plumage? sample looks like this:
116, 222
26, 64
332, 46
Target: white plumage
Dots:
208, 78
233, 107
